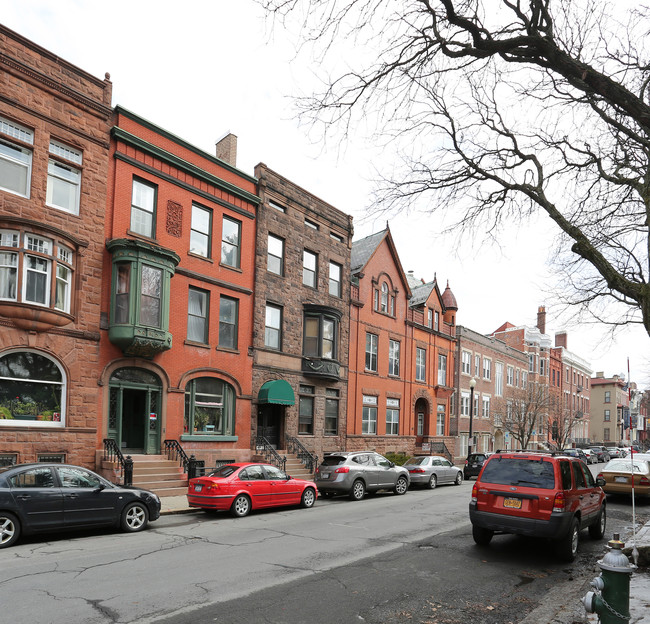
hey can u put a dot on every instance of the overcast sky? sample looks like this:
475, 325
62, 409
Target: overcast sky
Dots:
200, 69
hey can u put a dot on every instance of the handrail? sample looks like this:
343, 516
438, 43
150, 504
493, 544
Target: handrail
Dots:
294, 445
441, 449
112, 452
176, 452
270, 454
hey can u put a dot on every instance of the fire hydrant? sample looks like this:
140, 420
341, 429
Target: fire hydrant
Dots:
611, 596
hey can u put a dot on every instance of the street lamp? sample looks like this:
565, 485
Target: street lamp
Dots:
472, 385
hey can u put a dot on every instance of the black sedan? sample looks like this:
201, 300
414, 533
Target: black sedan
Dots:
38, 498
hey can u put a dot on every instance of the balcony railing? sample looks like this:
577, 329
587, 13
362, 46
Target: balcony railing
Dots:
318, 367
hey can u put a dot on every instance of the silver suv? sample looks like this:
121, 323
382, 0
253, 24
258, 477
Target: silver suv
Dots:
356, 473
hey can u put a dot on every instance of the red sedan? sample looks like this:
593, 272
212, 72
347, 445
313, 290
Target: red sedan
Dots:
241, 487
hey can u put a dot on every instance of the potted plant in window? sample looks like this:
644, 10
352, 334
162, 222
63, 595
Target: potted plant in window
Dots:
201, 418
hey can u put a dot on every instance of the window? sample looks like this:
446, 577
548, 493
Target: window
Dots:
606, 433
440, 420
486, 406
335, 279
393, 358
277, 206
510, 379
143, 208
15, 160
436, 321
532, 362
336, 237
63, 181
392, 416
477, 365
228, 322
63, 280
384, 298
498, 379
272, 328
371, 352
607, 417
331, 411
429, 318
420, 364
150, 296
466, 362
230, 242
487, 368
369, 415
306, 410
608, 396
320, 336
275, 255
442, 370
542, 367
209, 407
311, 224
201, 231
72, 477
122, 293
32, 388
309, 268
197, 315
420, 425
464, 404
524, 379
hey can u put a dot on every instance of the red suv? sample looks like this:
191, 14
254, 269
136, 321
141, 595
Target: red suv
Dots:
537, 494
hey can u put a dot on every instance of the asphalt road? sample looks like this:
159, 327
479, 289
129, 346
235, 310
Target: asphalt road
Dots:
387, 559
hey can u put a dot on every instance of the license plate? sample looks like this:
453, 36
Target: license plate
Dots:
198, 487
620, 479
324, 475
512, 503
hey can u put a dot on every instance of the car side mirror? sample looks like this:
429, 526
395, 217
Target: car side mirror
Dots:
391, 464
600, 481
100, 487
288, 477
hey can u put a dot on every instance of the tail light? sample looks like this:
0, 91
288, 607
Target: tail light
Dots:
559, 502
416, 470
600, 476
474, 492
343, 469
466, 462
644, 481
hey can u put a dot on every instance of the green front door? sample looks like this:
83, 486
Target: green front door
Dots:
134, 410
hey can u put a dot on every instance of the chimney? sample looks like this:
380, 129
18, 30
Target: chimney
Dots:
561, 339
227, 149
541, 319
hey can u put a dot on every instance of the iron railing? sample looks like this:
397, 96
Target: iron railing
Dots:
112, 452
440, 448
263, 446
294, 445
176, 452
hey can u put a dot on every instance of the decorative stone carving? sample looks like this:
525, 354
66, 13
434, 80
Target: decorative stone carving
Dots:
174, 219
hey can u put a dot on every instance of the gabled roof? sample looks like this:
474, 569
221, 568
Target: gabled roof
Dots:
420, 294
503, 328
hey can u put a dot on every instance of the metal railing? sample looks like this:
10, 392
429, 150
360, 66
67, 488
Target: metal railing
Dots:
176, 452
440, 448
263, 446
294, 445
112, 452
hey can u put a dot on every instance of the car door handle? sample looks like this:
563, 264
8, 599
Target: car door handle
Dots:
71, 495
22, 496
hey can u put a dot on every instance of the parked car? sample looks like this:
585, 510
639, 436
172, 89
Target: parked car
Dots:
242, 487
601, 453
355, 473
614, 452
617, 475
580, 454
592, 456
40, 498
473, 464
623, 451
538, 495
432, 470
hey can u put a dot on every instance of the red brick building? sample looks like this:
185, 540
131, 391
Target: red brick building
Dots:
301, 318
54, 133
177, 301
401, 355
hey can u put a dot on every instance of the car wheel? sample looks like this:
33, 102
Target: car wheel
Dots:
401, 486
135, 517
241, 506
567, 547
459, 478
9, 529
433, 481
597, 529
358, 490
482, 536
308, 498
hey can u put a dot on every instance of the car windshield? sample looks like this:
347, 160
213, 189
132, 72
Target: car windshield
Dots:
333, 460
224, 471
518, 471
417, 461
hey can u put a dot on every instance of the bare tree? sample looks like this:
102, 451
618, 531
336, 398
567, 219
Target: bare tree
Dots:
499, 110
561, 426
524, 411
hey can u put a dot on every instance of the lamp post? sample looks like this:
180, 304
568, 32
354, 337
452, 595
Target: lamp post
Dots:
472, 385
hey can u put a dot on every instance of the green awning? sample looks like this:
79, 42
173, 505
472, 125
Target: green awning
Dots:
278, 392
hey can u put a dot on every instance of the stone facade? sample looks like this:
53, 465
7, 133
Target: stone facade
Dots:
55, 125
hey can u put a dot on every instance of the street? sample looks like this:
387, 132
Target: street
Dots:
386, 559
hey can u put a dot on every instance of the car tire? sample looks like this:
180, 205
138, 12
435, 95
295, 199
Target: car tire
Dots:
459, 479
358, 490
401, 486
9, 529
241, 506
597, 529
482, 536
567, 547
433, 481
135, 517
308, 498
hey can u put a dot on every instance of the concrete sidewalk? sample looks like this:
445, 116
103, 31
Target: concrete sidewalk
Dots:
639, 581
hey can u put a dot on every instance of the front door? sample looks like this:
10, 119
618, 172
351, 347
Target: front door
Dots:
269, 419
421, 425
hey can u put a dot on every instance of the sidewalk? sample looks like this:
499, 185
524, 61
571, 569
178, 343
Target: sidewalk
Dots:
639, 582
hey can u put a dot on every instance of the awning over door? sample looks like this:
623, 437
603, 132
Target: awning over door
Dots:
278, 392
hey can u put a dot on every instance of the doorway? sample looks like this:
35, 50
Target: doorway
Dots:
421, 421
269, 423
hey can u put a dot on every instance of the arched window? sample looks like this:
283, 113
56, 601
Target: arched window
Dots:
32, 388
209, 407
384, 297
